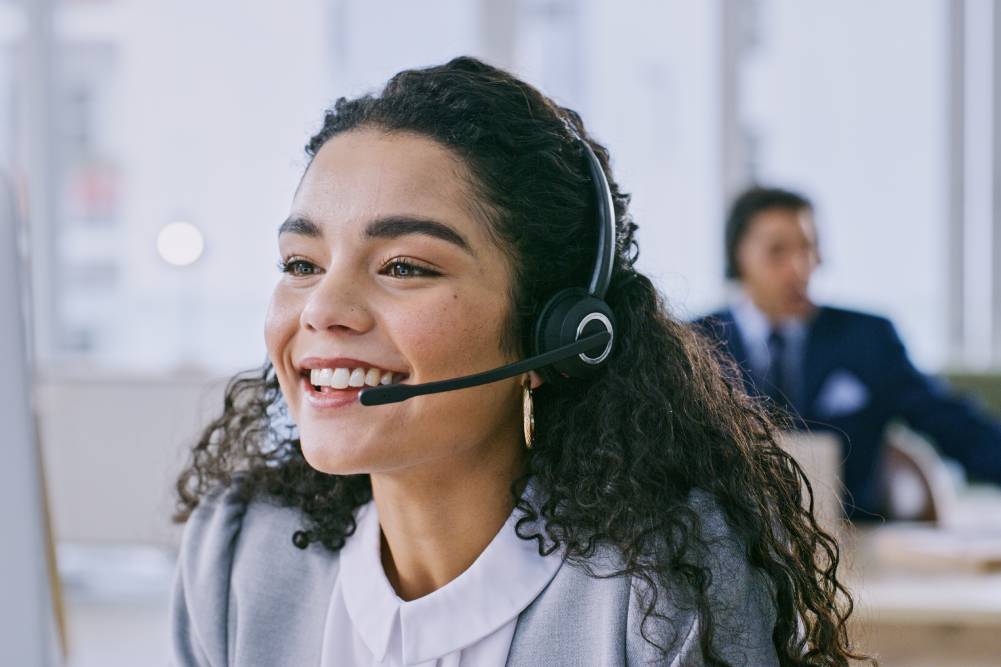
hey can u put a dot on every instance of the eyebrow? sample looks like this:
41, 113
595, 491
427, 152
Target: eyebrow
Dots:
391, 227
300, 226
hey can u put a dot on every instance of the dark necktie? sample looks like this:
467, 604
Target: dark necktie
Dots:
777, 379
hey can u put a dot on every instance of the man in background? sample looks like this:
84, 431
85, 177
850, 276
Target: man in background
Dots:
835, 370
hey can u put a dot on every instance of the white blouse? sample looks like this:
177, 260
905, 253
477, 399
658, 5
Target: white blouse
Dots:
469, 621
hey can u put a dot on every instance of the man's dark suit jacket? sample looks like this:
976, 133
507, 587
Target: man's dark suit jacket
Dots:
857, 378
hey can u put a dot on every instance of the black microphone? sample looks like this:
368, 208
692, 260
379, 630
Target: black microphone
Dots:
400, 392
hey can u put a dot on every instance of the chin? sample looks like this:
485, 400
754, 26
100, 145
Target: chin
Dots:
797, 308
805, 310
332, 457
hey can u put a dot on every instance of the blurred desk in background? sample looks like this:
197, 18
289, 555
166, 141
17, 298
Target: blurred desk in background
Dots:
926, 596
113, 445
117, 604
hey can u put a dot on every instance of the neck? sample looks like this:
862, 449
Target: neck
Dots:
779, 317
438, 519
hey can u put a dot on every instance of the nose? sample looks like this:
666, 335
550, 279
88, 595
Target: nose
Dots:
336, 304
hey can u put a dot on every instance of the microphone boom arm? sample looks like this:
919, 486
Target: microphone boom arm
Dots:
401, 392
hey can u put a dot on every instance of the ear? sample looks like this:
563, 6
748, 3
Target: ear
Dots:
533, 379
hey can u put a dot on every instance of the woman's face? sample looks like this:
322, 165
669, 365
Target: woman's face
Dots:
389, 268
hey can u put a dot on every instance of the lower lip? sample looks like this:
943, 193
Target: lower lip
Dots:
338, 398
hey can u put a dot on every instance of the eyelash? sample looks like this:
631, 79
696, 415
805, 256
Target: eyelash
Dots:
287, 266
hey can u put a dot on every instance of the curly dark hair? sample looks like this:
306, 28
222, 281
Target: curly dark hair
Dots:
616, 457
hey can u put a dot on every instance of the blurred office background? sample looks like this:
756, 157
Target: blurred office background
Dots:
156, 147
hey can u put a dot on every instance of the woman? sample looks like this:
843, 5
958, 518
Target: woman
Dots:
648, 517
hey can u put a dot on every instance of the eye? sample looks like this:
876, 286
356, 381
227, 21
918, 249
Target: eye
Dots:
296, 266
404, 267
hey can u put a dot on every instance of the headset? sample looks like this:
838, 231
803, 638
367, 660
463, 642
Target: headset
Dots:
574, 333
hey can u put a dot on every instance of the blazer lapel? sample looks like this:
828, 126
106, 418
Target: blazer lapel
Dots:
815, 363
735, 347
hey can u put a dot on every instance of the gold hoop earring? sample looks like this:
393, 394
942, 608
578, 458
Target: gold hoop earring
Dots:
528, 415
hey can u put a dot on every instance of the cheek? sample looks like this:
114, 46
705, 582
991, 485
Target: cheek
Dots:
447, 335
280, 324
765, 268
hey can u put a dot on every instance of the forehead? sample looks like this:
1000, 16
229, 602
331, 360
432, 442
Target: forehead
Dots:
773, 224
366, 174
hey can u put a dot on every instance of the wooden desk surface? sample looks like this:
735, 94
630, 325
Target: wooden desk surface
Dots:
889, 591
928, 599
910, 616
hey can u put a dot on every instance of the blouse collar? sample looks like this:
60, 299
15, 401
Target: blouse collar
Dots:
501, 583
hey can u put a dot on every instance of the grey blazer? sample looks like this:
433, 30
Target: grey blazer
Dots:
245, 596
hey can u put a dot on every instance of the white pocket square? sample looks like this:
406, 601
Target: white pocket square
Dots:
842, 393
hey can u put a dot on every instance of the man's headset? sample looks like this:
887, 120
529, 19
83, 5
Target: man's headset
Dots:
574, 333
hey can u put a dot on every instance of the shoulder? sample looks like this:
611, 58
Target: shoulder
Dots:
862, 340
200, 603
237, 561
857, 320
717, 324
227, 526
714, 319
723, 552
740, 598
596, 593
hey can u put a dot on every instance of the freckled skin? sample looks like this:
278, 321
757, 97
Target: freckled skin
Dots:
432, 328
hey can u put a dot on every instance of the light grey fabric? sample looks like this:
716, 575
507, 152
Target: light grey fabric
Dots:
245, 595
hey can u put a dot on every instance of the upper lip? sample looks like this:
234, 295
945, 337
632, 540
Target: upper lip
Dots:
310, 363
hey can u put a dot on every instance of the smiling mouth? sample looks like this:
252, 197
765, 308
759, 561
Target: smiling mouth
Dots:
348, 380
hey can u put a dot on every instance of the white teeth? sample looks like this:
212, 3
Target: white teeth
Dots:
340, 378
320, 376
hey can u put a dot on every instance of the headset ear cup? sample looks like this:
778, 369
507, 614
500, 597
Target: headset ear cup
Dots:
548, 327
570, 314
